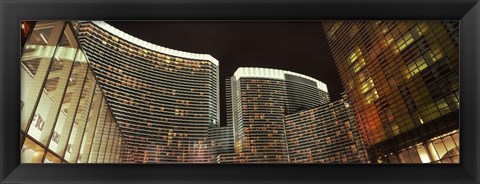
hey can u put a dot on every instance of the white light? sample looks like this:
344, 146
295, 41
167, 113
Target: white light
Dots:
273, 73
151, 46
43, 38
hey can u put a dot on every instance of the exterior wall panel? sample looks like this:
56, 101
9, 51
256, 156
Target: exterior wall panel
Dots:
164, 100
402, 78
57, 97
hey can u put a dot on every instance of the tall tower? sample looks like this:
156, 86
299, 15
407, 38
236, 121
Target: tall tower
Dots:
164, 100
402, 78
261, 98
325, 134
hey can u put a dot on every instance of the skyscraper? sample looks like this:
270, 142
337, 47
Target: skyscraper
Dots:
260, 100
325, 134
220, 142
94, 94
402, 79
164, 100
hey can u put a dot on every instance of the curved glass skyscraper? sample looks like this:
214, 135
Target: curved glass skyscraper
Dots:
261, 97
164, 100
402, 78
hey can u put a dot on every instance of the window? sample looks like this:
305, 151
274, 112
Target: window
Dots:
355, 54
358, 65
421, 28
38, 122
403, 42
416, 67
372, 96
31, 152
334, 29
55, 137
367, 85
436, 54
69, 148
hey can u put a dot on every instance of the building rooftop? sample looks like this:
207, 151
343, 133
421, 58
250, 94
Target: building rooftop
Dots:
154, 47
274, 74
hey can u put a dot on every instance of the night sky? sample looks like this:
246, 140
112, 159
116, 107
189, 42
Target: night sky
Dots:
294, 46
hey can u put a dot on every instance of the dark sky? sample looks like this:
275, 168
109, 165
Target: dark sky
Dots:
294, 46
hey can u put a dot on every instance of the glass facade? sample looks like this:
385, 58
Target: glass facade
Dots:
91, 93
61, 102
220, 142
402, 78
325, 134
261, 101
164, 101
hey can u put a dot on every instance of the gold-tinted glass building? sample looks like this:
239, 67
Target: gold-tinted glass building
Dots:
402, 78
64, 115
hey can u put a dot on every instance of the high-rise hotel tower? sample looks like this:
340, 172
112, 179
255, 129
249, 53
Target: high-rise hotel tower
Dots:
402, 79
261, 97
94, 94
164, 100
325, 134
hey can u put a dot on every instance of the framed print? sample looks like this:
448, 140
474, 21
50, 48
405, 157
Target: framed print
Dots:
243, 91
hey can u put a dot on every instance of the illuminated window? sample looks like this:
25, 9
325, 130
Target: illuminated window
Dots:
361, 77
416, 67
358, 65
389, 40
372, 96
367, 85
355, 55
402, 43
421, 29
436, 54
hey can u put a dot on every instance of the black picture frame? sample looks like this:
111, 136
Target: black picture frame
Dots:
12, 11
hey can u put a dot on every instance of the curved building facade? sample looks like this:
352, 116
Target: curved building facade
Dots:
261, 98
402, 78
325, 134
163, 100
